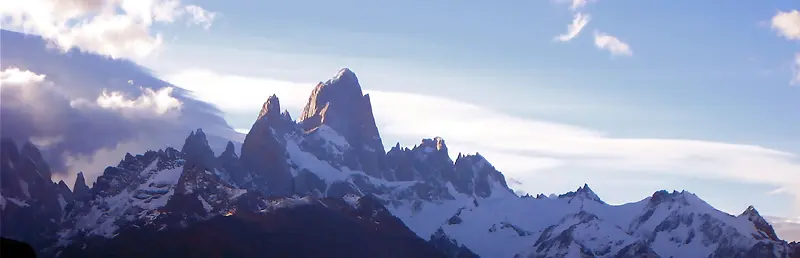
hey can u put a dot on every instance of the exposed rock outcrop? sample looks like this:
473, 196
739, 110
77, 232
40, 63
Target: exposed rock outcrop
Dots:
340, 104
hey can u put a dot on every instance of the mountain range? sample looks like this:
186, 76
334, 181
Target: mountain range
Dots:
323, 185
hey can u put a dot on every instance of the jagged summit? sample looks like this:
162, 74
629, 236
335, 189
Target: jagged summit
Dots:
437, 143
30, 151
80, 189
196, 141
760, 223
750, 211
683, 197
340, 104
583, 192
271, 108
230, 151
343, 74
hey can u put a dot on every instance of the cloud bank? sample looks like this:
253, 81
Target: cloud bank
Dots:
117, 28
86, 111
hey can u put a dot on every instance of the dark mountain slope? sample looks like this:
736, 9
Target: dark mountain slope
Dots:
324, 228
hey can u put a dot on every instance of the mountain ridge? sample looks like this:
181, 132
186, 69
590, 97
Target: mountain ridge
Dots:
334, 152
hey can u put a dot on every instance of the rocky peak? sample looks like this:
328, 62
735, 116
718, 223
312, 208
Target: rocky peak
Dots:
271, 108
396, 148
9, 176
431, 145
128, 158
169, 154
30, 151
340, 104
665, 196
262, 164
195, 141
286, 116
475, 175
196, 147
229, 151
759, 222
62, 185
400, 160
343, 74
80, 189
583, 192
65, 193
25, 179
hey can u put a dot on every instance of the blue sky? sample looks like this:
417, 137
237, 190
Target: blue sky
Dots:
696, 72
712, 70
703, 101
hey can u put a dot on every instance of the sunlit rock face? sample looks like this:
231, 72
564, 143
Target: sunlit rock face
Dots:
340, 104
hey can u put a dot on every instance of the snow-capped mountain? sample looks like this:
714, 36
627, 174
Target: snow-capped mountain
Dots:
31, 204
332, 161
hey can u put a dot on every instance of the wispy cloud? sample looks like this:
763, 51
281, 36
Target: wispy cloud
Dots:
612, 44
521, 148
578, 4
575, 4
787, 24
116, 28
579, 21
200, 16
796, 69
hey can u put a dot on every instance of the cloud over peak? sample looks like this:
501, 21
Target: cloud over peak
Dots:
157, 102
117, 105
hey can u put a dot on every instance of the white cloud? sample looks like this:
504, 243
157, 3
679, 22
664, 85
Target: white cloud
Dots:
15, 77
787, 24
201, 16
574, 4
150, 104
578, 4
521, 148
117, 28
612, 44
94, 164
159, 102
579, 21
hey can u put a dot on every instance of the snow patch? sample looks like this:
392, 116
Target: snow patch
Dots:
305, 160
18, 202
352, 200
61, 201
330, 135
206, 206
139, 202
25, 189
